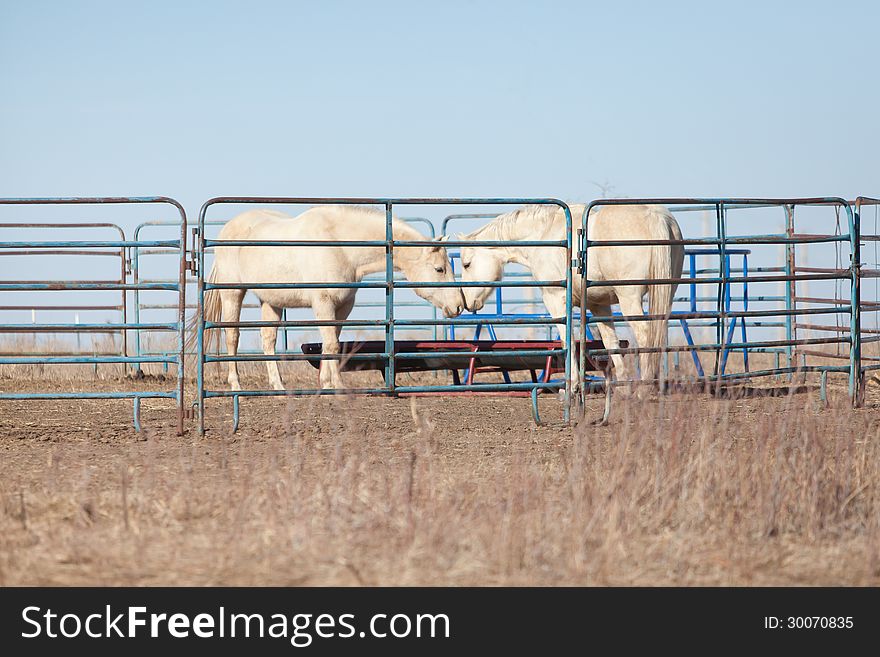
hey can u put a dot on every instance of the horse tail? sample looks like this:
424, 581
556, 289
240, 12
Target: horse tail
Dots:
665, 261
212, 312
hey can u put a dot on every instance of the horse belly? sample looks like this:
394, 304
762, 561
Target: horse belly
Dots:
285, 298
604, 296
600, 295
283, 265
304, 298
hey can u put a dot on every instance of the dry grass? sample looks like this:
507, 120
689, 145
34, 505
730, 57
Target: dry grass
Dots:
679, 490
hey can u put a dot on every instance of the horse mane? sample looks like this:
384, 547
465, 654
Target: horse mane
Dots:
398, 225
523, 223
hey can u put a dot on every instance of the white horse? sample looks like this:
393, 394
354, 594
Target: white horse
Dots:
611, 222
316, 264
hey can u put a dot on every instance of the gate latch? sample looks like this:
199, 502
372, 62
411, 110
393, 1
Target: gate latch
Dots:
192, 263
581, 252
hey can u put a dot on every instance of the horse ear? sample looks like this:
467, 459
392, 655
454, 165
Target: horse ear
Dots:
436, 248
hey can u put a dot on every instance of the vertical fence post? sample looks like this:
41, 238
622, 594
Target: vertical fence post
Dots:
723, 275
135, 276
181, 320
569, 354
389, 298
199, 246
855, 348
123, 334
582, 271
790, 287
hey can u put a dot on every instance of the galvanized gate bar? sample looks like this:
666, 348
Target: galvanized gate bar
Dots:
120, 254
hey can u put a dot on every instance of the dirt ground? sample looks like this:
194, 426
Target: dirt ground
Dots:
679, 489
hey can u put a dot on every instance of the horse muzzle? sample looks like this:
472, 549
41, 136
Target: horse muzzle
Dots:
453, 311
474, 306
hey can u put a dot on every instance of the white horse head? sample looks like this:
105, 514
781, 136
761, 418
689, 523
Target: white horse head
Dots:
430, 264
479, 263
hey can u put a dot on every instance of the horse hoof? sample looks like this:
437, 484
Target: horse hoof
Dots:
574, 393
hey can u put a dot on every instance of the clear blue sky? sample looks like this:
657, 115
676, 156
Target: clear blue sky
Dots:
452, 98
194, 99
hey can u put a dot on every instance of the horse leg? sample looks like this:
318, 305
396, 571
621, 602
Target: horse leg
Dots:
555, 303
609, 337
269, 334
325, 309
230, 311
631, 304
343, 310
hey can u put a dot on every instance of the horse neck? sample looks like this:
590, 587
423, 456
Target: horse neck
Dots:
373, 260
513, 226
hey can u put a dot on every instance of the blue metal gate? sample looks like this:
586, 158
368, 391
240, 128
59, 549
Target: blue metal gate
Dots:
121, 326
722, 318
390, 323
